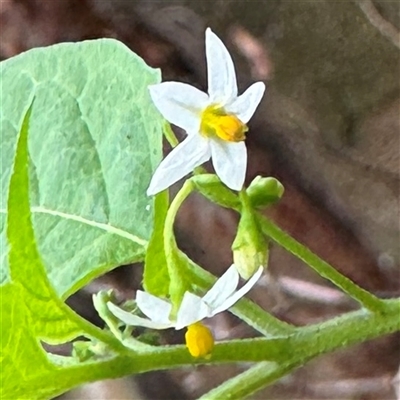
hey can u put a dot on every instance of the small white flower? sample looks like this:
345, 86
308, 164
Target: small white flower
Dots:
215, 123
220, 297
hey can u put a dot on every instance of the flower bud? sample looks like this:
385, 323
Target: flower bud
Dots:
250, 249
100, 301
210, 186
264, 191
82, 350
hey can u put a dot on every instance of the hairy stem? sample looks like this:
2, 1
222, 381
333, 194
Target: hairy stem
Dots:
178, 283
249, 381
366, 299
307, 343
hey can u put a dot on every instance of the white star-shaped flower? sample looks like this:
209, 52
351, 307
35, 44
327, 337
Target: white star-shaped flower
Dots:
220, 297
215, 122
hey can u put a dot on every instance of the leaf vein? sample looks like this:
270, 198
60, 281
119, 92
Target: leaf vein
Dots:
77, 218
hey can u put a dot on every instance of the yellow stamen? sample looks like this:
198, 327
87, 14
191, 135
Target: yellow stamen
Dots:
199, 340
215, 122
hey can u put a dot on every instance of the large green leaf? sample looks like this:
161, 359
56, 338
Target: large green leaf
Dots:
95, 139
29, 307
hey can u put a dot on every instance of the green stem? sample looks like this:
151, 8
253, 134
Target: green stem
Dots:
351, 328
245, 309
199, 170
250, 381
272, 231
308, 343
170, 135
177, 279
244, 199
365, 298
345, 330
169, 237
92, 331
249, 312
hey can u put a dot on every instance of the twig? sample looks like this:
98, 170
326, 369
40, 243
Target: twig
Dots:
380, 23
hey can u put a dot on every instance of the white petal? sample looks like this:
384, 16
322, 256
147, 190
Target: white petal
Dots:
230, 162
180, 104
191, 310
133, 320
223, 288
192, 152
240, 293
245, 105
222, 87
156, 309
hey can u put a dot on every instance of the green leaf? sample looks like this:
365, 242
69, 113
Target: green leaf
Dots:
156, 277
29, 308
94, 142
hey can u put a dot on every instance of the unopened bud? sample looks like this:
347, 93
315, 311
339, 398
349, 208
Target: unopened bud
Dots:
210, 186
264, 191
100, 301
250, 249
82, 350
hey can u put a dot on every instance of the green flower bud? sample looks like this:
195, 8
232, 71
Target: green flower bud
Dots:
264, 191
100, 301
89, 350
210, 186
250, 249
82, 350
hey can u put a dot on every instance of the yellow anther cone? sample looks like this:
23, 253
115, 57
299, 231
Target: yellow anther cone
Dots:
215, 122
199, 340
